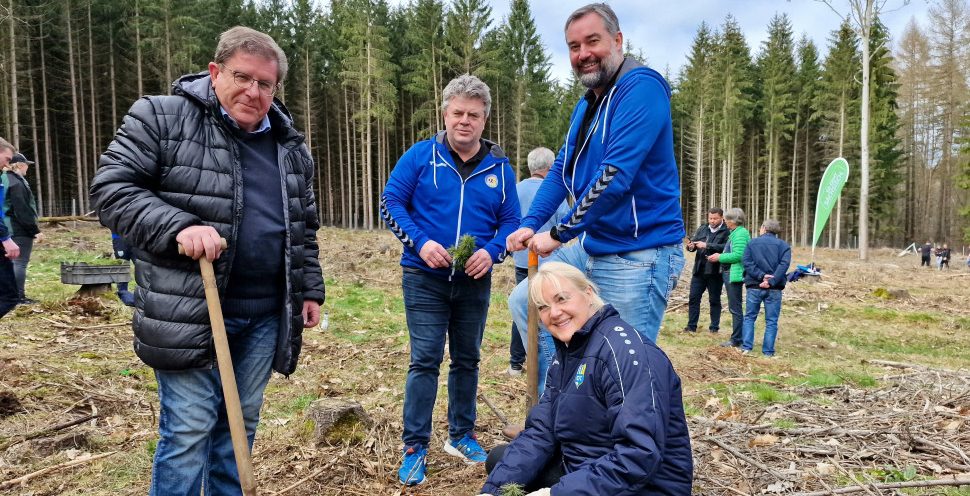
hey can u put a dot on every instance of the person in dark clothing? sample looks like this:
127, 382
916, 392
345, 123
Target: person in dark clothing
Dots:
925, 251
709, 239
766, 260
20, 215
611, 420
121, 252
219, 158
9, 250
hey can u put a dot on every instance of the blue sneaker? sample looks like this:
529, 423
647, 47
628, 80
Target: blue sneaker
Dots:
414, 466
468, 448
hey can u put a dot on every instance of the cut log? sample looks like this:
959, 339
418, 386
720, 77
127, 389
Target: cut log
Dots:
337, 421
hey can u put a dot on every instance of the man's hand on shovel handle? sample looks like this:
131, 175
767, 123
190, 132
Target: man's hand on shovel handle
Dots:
198, 241
311, 313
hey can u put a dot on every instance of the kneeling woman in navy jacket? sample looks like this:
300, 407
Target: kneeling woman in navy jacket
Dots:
611, 420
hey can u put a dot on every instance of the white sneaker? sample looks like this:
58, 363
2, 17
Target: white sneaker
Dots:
514, 372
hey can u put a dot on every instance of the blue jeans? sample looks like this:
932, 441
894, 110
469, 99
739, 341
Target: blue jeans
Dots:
26, 244
636, 283
517, 347
436, 309
195, 450
772, 300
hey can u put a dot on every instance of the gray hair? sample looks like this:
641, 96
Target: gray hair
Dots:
772, 226
735, 215
603, 10
467, 86
540, 159
6, 144
253, 42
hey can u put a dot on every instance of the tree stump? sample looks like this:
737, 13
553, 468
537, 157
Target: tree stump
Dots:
337, 421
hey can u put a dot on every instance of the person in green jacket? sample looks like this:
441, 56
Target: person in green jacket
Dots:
733, 271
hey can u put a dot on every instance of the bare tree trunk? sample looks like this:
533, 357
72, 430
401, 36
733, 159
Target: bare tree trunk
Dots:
141, 79
75, 108
38, 185
48, 151
14, 107
866, 20
111, 72
93, 102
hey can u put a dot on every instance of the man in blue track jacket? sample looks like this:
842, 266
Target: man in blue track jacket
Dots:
618, 166
443, 188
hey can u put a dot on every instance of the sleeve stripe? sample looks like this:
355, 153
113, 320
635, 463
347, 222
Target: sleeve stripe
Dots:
619, 375
609, 172
393, 225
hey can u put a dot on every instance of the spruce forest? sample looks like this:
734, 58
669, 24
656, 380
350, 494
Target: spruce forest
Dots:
755, 125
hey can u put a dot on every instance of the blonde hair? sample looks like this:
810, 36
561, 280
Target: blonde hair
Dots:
555, 273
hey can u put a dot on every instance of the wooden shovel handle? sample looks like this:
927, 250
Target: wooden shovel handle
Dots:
230, 392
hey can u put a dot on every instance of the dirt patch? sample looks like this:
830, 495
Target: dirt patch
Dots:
9, 404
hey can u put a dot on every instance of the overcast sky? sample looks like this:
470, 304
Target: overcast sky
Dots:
664, 29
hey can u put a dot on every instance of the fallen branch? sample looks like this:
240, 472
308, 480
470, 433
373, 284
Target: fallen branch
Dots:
68, 218
741, 456
902, 365
891, 485
43, 432
302, 481
498, 413
77, 461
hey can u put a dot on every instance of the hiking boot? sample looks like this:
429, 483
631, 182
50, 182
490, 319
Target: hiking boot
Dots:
468, 448
712, 330
514, 370
690, 329
414, 466
512, 431
728, 344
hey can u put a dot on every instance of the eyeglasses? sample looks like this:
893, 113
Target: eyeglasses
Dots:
245, 81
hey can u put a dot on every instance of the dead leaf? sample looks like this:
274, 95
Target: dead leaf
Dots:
762, 440
712, 402
824, 468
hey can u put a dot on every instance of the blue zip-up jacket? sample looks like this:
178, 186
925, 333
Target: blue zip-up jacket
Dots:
426, 199
613, 408
766, 254
625, 179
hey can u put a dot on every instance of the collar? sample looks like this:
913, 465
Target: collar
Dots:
483, 150
716, 229
591, 97
264, 126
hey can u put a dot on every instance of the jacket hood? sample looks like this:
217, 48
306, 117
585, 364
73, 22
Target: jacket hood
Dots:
632, 66
198, 88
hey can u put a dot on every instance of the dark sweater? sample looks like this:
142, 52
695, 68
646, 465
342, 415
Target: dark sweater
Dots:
256, 280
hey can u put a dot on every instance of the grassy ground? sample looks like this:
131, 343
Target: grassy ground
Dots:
62, 360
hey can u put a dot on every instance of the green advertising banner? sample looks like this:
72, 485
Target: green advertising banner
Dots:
834, 178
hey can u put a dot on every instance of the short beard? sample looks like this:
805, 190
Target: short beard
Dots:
598, 79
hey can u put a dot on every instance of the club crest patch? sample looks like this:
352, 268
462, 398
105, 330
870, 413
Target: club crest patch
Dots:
580, 376
491, 180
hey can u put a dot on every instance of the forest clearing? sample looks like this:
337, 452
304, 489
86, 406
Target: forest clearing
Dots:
872, 385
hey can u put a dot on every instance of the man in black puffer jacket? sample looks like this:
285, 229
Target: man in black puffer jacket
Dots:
217, 159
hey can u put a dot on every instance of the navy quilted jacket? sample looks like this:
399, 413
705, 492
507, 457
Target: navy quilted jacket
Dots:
613, 408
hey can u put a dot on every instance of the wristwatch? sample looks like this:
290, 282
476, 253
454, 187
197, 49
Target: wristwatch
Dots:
554, 233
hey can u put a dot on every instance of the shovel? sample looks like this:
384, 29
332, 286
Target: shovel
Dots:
237, 428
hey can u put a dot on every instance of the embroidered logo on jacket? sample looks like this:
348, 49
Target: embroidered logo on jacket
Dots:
491, 180
580, 375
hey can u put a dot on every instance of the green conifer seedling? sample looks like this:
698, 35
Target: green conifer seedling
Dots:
461, 253
512, 489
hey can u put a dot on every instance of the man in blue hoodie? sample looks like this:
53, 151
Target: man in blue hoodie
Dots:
618, 167
443, 188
